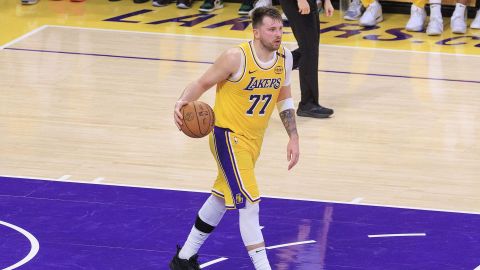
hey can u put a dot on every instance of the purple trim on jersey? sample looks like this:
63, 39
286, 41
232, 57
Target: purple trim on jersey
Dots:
239, 177
223, 154
218, 193
252, 52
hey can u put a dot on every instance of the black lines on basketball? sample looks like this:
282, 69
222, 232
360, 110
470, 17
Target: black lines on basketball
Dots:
198, 119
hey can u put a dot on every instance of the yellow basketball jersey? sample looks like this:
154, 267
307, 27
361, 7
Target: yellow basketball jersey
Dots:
245, 106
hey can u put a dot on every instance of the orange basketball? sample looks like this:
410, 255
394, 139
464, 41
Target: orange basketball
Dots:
198, 119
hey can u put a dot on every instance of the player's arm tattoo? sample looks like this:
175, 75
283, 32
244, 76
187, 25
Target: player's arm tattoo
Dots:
288, 120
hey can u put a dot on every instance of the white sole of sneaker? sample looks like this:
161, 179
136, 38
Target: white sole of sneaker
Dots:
210, 10
415, 29
434, 33
377, 20
348, 18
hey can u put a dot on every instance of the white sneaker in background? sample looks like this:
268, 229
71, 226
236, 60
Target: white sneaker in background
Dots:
416, 23
458, 23
476, 22
260, 3
354, 11
372, 15
435, 26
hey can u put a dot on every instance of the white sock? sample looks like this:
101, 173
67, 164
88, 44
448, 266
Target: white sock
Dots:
435, 10
259, 258
194, 241
459, 9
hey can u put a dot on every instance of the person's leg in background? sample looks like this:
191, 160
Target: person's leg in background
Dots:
435, 24
306, 29
458, 22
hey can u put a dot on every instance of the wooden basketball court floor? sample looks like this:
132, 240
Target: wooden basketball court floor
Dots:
95, 106
98, 104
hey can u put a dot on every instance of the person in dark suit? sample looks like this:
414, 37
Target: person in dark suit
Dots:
305, 23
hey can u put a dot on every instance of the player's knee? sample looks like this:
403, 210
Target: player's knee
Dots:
250, 224
210, 214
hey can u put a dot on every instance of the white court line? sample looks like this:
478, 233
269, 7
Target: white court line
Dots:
243, 39
213, 262
65, 177
271, 247
98, 180
266, 196
357, 200
34, 31
35, 246
292, 244
396, 235
477, 268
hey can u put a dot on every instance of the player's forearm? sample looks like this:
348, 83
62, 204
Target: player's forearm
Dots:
288, 120
193, 91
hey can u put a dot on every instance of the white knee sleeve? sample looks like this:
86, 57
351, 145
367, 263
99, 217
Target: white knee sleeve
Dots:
212, 210
250, 224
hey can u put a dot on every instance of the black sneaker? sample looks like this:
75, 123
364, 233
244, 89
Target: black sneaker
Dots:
184, 4
161, 3
210, 5
245, 8
314, 110
181, 264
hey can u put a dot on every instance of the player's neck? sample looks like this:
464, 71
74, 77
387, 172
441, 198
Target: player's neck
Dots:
261, 52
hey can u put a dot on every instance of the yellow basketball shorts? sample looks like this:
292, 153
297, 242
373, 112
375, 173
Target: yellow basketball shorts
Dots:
236, 157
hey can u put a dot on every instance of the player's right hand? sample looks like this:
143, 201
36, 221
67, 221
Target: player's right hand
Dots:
177, 115
303, 7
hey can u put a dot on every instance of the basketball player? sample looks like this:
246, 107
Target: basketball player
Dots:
251, 79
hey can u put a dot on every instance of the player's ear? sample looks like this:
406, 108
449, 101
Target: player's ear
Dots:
256, 33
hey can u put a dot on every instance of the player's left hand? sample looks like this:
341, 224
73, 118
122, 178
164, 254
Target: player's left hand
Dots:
293, 151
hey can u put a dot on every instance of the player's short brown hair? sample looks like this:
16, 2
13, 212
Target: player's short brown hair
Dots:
262, 12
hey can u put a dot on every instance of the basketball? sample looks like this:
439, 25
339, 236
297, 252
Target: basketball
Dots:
198, 119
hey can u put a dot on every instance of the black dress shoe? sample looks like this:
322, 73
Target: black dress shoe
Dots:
314, 110
140, 1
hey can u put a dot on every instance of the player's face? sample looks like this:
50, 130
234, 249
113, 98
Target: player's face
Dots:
270, 33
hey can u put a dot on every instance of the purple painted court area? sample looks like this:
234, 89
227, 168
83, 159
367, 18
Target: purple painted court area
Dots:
87, 226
